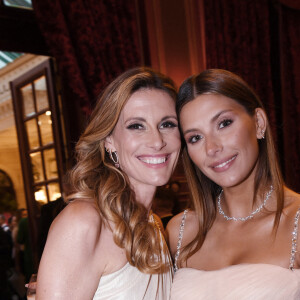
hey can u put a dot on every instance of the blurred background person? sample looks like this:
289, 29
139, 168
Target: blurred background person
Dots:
23, 239
49, 212
5, 264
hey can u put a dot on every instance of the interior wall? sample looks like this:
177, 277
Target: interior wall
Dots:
175, 38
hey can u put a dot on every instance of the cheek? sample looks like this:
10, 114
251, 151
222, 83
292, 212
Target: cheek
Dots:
172, 139
247, 139
175, 140
125, 141
195, 155
128, 146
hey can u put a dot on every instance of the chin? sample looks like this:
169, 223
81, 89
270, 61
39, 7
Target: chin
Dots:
159, 181
228, 184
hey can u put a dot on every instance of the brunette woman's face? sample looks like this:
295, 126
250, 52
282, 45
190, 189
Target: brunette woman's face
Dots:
147, 138
222, 138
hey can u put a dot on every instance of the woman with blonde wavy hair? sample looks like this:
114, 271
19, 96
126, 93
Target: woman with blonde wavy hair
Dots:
106, 244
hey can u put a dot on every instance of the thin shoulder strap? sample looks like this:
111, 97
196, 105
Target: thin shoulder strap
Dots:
294, 240
179, 239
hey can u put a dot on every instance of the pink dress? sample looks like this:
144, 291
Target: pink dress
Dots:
239, 282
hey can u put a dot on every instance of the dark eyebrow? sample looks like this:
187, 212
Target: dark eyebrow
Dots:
189, 130
169, 117
135, 119
214, 118
144, 120
219, 114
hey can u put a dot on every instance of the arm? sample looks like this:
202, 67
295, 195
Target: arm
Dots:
189, 231
70, 267
293, 199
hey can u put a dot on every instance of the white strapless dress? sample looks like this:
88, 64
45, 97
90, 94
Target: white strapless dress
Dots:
237, 282
129, 283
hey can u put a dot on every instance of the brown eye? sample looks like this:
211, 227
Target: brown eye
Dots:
225, 123
194, 139
135, 126
168, 124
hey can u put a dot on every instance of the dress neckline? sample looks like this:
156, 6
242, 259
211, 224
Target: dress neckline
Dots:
117, 271
240, 265
292, 254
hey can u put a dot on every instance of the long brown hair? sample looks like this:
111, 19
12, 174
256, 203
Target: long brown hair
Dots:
203, 190
96, 177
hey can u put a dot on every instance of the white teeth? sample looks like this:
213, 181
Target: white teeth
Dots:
154, 160
225, 163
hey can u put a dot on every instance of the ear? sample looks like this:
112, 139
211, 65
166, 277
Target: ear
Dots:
261, 123
109, 143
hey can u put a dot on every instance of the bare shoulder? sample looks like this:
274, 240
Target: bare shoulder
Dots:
70, 258
293, 196
292, 202
172, 232
78, 217
292, 205
189, 232
80, 211
79, 223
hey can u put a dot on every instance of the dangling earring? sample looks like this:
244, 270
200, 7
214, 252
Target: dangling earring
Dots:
114, 157
262, 134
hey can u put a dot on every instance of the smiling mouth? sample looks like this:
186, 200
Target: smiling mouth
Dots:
153, 160
225, 163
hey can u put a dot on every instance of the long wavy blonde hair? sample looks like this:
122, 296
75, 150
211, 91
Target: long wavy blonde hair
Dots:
203, 190
95, 176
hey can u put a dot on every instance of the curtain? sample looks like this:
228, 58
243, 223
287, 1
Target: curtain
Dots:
237, 39
290, 83
92, 41
259, 41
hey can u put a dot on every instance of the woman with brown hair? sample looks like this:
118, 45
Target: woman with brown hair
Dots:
106, 244
239, 240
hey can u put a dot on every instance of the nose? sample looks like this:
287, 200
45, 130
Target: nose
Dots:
213, 145
156, 140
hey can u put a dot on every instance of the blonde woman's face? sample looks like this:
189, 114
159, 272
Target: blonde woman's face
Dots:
222, 138
147, 138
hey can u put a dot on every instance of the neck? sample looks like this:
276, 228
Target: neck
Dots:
238, 201
145, 196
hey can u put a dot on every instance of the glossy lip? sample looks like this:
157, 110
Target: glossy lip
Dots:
154, 161
224, 164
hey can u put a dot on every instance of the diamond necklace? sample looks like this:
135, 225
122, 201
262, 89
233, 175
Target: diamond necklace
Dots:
221, 212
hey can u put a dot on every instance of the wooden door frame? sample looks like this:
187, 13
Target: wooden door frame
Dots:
46, 68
